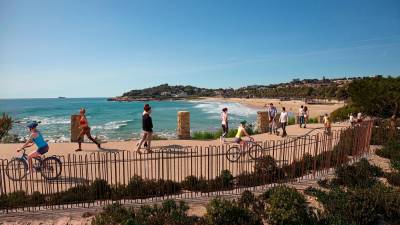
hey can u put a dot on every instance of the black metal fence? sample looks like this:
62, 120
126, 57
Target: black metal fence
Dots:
181, 172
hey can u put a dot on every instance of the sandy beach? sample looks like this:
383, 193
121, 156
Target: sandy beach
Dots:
315, 110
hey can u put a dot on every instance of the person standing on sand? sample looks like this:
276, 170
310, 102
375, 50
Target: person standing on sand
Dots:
147, 126
271, 117
224, 123
305, 113
283, 119
85, 130
301, 116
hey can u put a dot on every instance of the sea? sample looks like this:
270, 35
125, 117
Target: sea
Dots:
118, 121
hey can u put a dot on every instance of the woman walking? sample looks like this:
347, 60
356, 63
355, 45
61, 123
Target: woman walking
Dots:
147, 126
305, 112
224, 123
85, 130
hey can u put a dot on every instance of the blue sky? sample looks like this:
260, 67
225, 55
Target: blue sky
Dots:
103, 48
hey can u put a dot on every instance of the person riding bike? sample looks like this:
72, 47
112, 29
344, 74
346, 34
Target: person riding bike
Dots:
35, 138
242, 132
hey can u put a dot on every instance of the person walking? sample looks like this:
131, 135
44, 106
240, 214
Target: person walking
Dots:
272, 112
147, 126
283, 119
85, 130
305, 113
224, 124
301, 116
327, 124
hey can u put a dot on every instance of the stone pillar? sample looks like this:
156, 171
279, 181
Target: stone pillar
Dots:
321, 119
262, 122
183, 125
75, 128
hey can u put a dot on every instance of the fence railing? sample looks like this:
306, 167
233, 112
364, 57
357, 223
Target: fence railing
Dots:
181, 172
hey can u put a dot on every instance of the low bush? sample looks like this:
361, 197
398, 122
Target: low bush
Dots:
395, 164
224, 181
169, 213
100, 189
143, 188
391, 150
342, 113
393, 178
360, 174
285, 205
225, 212
113, 214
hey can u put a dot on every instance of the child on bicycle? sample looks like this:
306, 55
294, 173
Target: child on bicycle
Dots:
242, 132
35, 138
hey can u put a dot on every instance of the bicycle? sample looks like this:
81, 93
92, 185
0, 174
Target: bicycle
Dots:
235, 152
49, 167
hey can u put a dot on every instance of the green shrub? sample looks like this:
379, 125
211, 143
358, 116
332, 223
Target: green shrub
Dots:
395, 164
113, 214
342, 113
393, 178
100, 189
5, 125
246, 199
357, 206
203, 135
391, 150
360, 174
118, 191
17, 199
143, 188
192, 183
36, 198
169, 213
285, 205
225, 212
291, 121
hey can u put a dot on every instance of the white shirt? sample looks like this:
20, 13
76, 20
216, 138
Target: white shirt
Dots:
351, 118
284, 117
301, 112
359, 116
224, 118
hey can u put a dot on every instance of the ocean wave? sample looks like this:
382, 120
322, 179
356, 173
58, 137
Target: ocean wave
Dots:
215, 107
46, 120
113, 125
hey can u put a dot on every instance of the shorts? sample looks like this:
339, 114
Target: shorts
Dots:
237, 140
43, 150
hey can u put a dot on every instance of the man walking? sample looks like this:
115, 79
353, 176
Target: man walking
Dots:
271, 110
301, 115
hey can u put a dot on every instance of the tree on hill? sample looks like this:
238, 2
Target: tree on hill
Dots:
377, 96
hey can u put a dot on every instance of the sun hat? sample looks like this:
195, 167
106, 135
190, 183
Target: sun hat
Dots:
32, 125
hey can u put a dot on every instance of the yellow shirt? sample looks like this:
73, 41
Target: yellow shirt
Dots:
240, 132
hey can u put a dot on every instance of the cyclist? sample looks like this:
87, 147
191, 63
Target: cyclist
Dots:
35, 138
242, 132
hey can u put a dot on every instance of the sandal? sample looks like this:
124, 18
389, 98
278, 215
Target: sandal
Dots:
78, 150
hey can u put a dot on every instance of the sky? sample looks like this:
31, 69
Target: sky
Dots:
103, 48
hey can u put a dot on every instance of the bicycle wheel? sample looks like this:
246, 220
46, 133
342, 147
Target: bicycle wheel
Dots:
255, 151
51, 168
16, 169
233, 154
